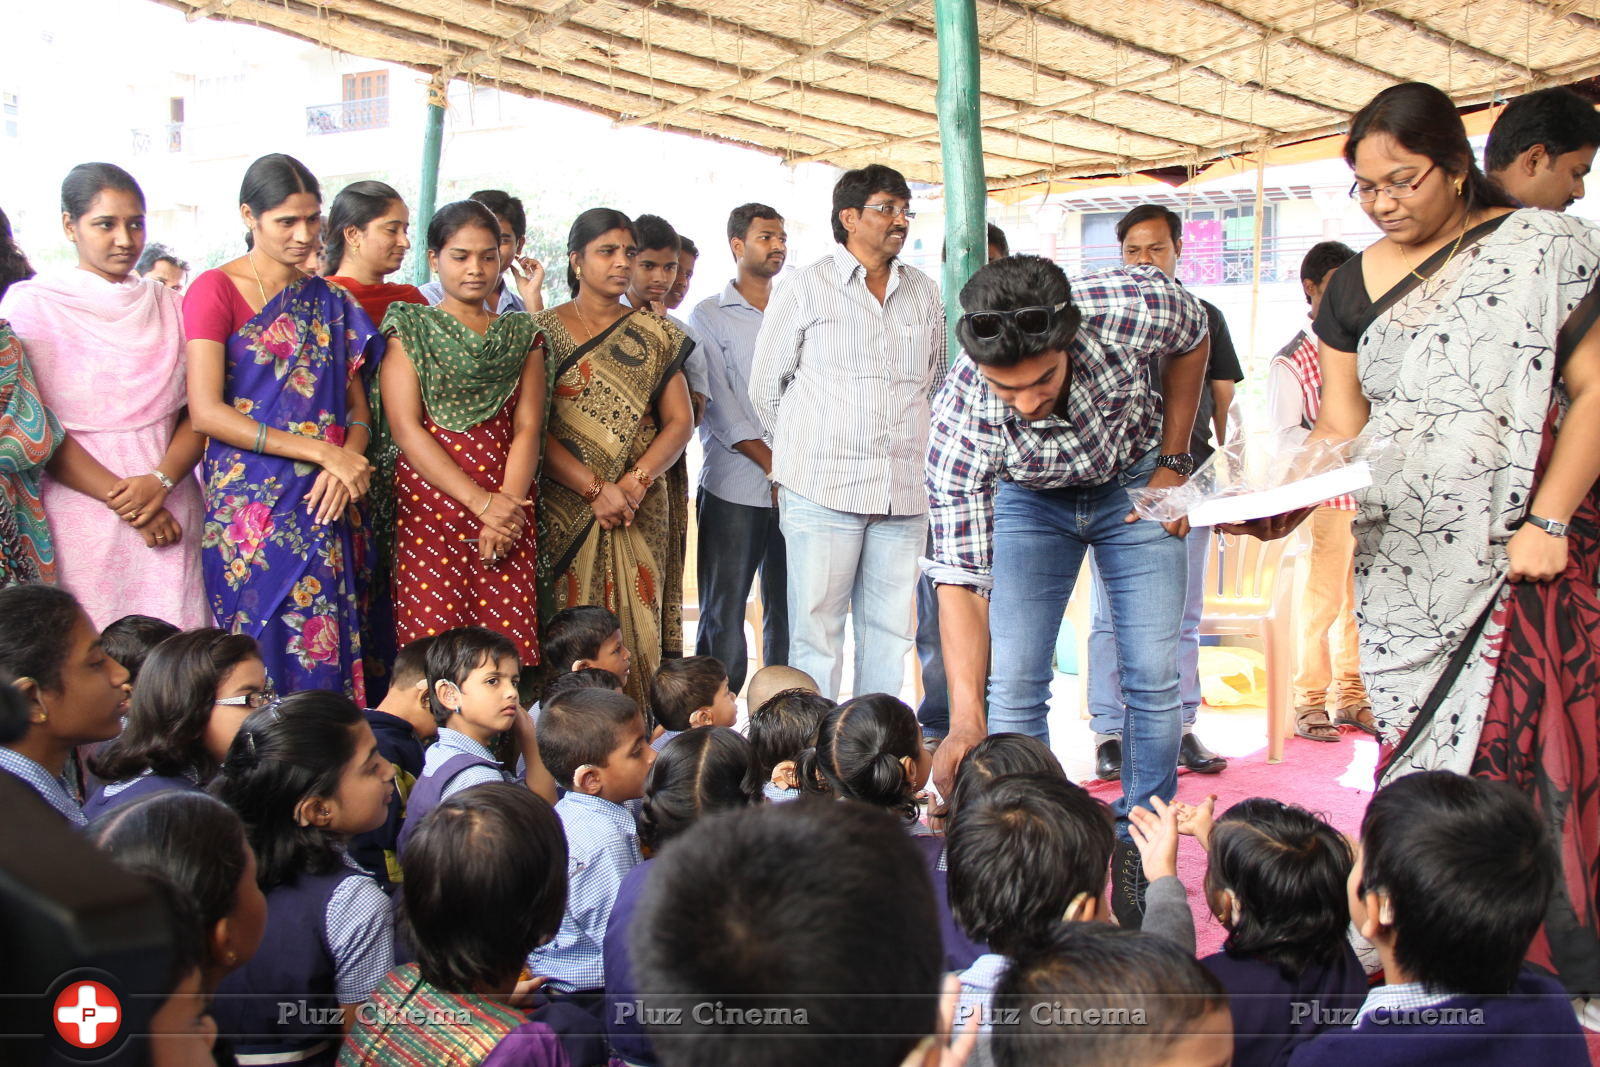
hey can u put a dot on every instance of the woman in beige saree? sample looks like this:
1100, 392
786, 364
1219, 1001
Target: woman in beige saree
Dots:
619, 419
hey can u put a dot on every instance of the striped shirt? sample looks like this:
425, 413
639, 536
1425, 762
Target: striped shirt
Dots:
842, 384
55, 790
728, 326
602, 847
452, 743
359, 926
1132, 318
1296, 374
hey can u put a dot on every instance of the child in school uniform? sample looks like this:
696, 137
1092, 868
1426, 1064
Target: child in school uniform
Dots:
855, 744
698, 773
472, 687
1096, 995
1027, 852
403, 723
196, 688
75, 694
780, 730
485, 881
1450, 883
305, 775
595, 744
1276, 880
585, 636
689, 692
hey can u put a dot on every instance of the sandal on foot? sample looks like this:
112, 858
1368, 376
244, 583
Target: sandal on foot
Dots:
1359, 716
1308, 719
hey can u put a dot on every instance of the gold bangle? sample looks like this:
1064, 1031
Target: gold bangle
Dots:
592, 493
480, 512
645, 481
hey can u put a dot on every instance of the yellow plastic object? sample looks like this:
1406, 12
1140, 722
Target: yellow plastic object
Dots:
1249, 593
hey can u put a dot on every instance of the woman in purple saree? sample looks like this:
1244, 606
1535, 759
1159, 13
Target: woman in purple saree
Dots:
278, 367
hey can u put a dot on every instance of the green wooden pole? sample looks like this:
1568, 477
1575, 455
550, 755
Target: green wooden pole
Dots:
961, 140
428, 188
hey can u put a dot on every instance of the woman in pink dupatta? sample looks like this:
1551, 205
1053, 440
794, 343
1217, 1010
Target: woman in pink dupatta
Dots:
107, 350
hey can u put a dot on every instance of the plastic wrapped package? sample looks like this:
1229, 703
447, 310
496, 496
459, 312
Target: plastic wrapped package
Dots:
1257, 475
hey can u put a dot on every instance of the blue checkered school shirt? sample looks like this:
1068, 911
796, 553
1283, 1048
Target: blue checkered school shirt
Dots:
1132, 318
602, 847
55, 790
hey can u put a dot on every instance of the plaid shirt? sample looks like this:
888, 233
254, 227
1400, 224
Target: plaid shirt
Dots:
1132, 317
1301, 359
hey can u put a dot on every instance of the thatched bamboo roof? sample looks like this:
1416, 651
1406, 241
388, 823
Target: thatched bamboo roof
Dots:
1070, 87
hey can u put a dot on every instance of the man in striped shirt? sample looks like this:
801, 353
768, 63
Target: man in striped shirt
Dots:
1059, 406
849, 356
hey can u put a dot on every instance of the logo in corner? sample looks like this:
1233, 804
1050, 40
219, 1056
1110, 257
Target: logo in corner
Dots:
87, 1014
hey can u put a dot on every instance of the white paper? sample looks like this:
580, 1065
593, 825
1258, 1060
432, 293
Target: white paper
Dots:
1304, 493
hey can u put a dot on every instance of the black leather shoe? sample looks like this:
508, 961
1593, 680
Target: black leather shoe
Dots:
1193, 754
1108, 760
1128, 885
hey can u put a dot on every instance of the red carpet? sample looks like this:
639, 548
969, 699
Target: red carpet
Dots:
1332, 780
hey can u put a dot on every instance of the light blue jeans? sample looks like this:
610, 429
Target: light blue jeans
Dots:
1040, 537
1106, 706
865, 566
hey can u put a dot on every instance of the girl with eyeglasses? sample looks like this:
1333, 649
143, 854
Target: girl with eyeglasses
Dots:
194, 691
1466, 336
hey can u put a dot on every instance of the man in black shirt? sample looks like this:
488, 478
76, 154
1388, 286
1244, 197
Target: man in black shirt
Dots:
1151, 234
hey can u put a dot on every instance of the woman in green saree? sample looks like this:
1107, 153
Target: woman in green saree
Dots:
619, 418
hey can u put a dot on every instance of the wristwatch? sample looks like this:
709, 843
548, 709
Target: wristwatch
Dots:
1549, 526
1181, 462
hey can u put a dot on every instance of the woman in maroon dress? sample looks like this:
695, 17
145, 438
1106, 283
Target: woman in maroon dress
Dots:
464, 402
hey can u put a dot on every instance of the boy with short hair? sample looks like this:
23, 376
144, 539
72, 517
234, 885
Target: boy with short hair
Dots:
690, 692
1452, 880
402, 723
472, 689
1027, 852
585, 636
595, 744
1094, 995
775, 678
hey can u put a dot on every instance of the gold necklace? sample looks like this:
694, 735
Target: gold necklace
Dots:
251, 257
584, 319
1453, 250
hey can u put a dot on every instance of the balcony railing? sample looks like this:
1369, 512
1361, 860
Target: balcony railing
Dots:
348, 115
151, 139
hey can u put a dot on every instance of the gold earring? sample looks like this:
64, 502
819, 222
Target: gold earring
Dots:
1459, 183
578, 271
230, 958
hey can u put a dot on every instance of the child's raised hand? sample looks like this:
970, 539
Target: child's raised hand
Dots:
1155, 834
522, 996
1195, 820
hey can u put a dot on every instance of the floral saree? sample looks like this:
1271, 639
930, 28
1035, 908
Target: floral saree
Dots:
603, 393
270, 572
1467, 671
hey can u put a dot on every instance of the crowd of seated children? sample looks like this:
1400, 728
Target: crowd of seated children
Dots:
305, 776
688, 692
1276, 881
1096, 995
700, 772
596, 747
472, 688
1027, 852
195, 689
780, 730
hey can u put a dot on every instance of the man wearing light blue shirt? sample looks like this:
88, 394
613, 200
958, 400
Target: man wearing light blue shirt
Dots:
738, 514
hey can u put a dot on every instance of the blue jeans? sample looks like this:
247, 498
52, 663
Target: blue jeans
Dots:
736, 541
934, 711
1040, 537
865, 566
1106, 707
